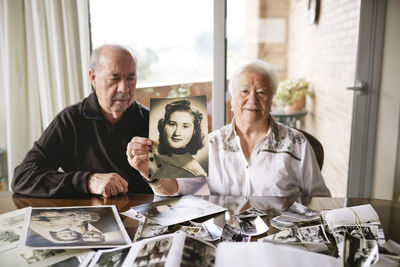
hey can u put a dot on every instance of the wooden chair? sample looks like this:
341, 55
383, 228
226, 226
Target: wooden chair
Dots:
317, 147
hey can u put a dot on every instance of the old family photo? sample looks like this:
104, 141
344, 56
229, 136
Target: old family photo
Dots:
74, 227
179, 129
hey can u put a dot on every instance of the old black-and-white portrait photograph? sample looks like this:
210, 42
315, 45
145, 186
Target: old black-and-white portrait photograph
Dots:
359, 252
197, 253
290, 235
179, 129
111, 258
10, 229
74, 227
314, 234
252, 226
153, 253
178, 209
231, 234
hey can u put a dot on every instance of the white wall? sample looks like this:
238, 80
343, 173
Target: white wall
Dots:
387, 139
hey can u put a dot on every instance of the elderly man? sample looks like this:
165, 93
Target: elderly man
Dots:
82, 151
253, 155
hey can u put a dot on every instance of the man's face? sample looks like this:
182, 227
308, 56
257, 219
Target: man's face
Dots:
179, 129
252, 98
115, 82
93, 236
67, 235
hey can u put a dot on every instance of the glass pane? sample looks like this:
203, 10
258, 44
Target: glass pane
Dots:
173, 41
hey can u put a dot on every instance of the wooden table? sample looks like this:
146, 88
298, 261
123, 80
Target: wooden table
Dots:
388, 211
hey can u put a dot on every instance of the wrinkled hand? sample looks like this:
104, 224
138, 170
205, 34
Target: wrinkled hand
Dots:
107, 184
137, 153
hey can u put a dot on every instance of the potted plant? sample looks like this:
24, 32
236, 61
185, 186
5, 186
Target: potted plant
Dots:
291, 93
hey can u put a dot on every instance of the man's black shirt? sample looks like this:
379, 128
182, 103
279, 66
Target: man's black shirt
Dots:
81, 141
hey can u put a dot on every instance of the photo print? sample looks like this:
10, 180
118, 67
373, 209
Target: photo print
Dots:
74, 227
179, 129
178, 209
153, 253
251, 212
314, 234
46, 257
253, 226
197, 253
11, 224
289, 236
111, 257
231, 234
359, 252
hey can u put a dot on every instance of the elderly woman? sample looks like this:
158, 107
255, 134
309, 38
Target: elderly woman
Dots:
253, 155
180, 138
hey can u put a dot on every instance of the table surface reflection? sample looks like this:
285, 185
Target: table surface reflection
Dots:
388, 211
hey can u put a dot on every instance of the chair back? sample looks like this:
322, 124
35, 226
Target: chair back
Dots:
317, 147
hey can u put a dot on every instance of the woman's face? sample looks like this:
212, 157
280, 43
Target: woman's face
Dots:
252, 98
179, 129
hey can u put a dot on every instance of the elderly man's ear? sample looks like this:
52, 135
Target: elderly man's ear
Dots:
92, 76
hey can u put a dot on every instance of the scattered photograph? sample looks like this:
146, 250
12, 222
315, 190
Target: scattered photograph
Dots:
359, 252
177, 210
302, 213
314, 234
111, 257
197, 253
11, 224
359, 231
146, 228
209, 230
153, 253
290, 235
74, 227
253, 226
46, 257
189, 230
252, 212
179, 129
231, 234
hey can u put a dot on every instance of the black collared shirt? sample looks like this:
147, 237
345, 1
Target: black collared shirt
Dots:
81, 141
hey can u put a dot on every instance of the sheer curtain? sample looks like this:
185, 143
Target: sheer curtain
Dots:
44, 55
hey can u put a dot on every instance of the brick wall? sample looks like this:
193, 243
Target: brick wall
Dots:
325, 54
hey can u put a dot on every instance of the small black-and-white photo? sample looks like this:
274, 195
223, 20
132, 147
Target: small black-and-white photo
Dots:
177, 210
179, 129
11, 224
290, 235
197, 253
314, 234
33, 256
358, 231
153, 253
359, 252
74, 227
302, 212
252, 212
252, 226
114, 258
231, 234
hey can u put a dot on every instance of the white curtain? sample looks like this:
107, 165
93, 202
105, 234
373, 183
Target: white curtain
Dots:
44, 55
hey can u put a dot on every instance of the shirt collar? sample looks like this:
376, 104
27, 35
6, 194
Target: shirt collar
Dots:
92, 110
272, 130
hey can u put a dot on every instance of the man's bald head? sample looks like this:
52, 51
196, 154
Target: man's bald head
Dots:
103, 50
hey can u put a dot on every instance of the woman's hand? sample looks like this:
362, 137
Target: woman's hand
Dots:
137, 152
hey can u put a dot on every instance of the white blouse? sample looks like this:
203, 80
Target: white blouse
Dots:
282, 164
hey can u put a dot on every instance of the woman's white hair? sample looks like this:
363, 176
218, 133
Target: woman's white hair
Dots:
255, 66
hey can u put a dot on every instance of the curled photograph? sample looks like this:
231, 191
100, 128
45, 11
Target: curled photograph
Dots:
178, 127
